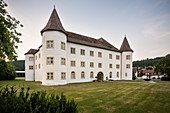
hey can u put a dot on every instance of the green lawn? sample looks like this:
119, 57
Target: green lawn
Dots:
104, 97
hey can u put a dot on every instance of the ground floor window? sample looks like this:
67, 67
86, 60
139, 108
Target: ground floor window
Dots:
126, 74
117, 74
82, 74
73, 75
110, 74
91, 74
63, 75
50, 75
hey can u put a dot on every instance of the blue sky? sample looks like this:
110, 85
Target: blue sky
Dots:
146, 23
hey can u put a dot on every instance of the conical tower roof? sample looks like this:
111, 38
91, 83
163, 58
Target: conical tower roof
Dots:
54, 23
125, 46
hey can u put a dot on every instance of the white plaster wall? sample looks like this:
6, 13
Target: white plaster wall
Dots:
29, 74
124, 62
87, 58
38, 72
55, 52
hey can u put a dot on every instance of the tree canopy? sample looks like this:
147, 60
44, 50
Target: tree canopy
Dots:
164, 65
9, 36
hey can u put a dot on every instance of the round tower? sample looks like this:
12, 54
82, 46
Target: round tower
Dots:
126, 60
54, 47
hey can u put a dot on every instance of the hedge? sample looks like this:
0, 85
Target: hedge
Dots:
36, 102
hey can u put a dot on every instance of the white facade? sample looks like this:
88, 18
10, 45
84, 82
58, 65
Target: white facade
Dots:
42, 68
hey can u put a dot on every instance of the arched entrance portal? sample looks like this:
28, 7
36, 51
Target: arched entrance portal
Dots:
100, 76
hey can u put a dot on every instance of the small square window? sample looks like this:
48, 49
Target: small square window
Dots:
110, 56
63, 61
117, 66
73, 63
82, 52
50, 60
110, 65
100, 65
99, 54
63, 46
82, 64
117, 57
63, 75
91, 53
127, 57
50, 44
31, 67
73, 50
91, 64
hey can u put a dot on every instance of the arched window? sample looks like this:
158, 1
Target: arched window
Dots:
82, 74
110, 74
91, 74
73, 75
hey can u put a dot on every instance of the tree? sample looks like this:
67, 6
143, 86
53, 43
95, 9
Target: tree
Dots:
9, 37
7, 71
141, 74
164, 65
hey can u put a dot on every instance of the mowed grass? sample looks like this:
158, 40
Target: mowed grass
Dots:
108, 97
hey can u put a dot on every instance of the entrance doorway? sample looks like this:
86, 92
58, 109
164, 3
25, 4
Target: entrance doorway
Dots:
100, 76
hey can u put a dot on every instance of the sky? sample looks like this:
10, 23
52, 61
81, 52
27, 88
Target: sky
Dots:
146, 23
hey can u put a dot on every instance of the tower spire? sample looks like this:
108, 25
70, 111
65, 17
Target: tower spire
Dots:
54, 23
125, 45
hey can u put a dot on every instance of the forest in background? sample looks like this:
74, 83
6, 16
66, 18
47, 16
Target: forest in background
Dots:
19, 65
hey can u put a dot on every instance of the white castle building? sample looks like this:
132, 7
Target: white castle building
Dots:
66, 57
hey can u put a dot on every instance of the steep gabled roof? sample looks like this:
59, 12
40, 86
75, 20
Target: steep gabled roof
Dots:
54, 23
125, 46
88, 41
31, 51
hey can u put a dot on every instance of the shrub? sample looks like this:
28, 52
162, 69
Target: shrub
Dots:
7, 71
165, 78
36, 102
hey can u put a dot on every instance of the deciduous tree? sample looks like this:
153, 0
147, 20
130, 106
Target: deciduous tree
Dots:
9, 36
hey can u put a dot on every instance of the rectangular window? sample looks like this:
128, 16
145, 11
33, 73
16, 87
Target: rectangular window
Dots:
117, 66
73, 50
50, 60
50, 44
91, 64
73, 75
126, 74
63, 46
63, 61
82, 52
110, 65
82, 64
110, 56
63, 75
31, 67
99, 54
100, 65
117, 57
128, 66
35, 66
35, 57
117, 74
91, 53
31, 58
127, 57
73, 63
50, 75
39, 55
39, 66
